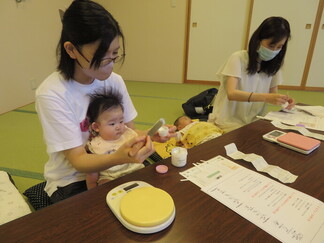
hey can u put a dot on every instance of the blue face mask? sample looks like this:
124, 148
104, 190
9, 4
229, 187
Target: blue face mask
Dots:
266, 54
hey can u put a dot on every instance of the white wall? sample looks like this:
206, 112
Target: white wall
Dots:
30, 30
155, 38
29, 34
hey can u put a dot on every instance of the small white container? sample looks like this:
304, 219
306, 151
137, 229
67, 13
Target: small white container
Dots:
179, 156
163, 131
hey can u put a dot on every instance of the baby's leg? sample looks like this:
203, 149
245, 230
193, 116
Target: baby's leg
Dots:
92, 179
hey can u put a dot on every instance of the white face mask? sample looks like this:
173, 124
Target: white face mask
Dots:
266, 54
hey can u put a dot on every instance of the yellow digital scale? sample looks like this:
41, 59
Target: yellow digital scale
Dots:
141, 207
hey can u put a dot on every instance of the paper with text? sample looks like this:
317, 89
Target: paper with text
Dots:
298, 118
283, 212
302, 130
203, 174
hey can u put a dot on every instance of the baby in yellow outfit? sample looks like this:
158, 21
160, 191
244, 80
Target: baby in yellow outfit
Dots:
192, 133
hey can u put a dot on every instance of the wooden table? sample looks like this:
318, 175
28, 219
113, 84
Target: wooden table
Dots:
199, 218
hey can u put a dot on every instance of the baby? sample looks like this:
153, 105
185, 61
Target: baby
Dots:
108, 133
192, 133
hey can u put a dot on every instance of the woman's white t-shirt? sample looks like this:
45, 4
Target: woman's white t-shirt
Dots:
229, 115
62, 106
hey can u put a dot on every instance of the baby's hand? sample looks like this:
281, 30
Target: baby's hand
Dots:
171, 133
163, 131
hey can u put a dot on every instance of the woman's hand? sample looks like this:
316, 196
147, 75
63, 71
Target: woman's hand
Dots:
172, 133
136, 150
276, 99
291, 103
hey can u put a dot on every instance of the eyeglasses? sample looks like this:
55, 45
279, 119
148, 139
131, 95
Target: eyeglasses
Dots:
103, 62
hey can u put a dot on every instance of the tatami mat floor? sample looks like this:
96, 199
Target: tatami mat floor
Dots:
23, 152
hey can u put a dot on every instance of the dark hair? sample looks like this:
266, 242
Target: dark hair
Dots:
101, 101
176, 122
85, 22
275, 28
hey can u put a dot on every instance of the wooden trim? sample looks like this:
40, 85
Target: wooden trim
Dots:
314, 89
312, 43
246, 42
217, 83
187, 35
288, 87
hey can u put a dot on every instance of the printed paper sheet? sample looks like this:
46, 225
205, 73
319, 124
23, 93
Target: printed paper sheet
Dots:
283, 212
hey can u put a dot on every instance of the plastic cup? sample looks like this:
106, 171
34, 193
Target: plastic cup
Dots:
179, 157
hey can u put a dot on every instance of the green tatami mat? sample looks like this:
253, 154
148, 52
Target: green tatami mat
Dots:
152, 109
183, 92
160, 100
23, 183
306, 97
22, 142
164, 90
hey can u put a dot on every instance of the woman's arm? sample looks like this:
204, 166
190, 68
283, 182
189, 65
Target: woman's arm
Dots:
156, 137
127, 153
238, 95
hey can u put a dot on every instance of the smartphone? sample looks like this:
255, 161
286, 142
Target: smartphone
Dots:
156, 127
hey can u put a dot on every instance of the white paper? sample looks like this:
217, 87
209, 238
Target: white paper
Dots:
313, 110
203, 174
301, 130
260, 164
283, 212
297, 118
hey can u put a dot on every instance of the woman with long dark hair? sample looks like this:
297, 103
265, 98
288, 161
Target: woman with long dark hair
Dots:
250, 79
91, 43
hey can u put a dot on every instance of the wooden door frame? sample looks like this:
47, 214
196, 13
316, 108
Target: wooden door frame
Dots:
311, 49
186, 56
